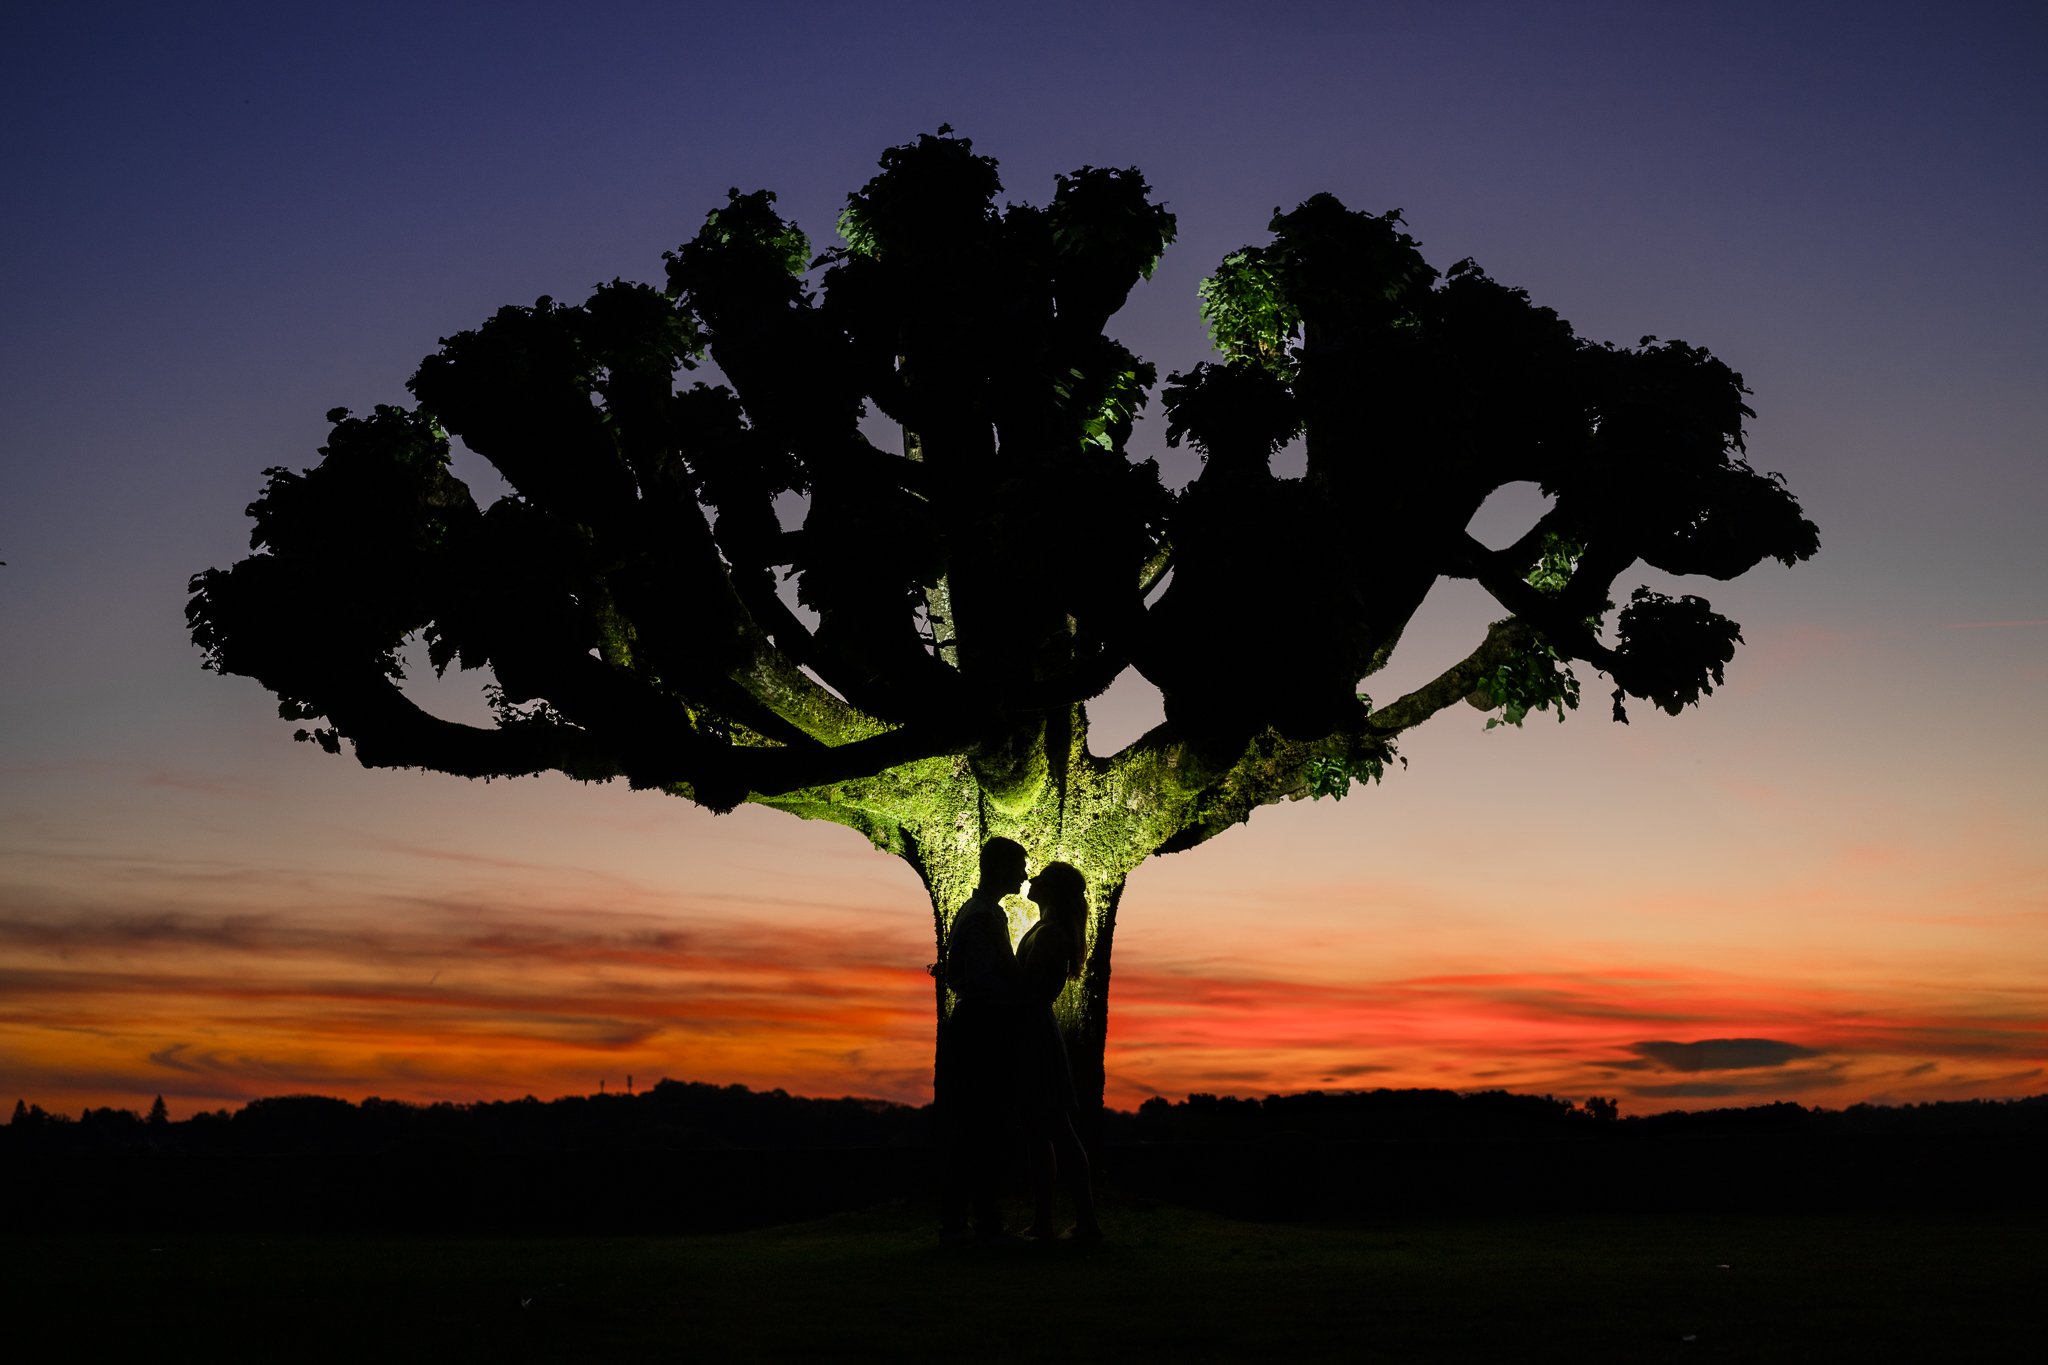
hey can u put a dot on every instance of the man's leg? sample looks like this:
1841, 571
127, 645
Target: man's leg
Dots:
952, 1138
1001, 1137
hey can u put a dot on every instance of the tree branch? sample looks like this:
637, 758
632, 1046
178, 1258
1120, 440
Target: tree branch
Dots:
1518, 556
390, 730
1275, 769
1504, 640
774, 680
1553, 615
1155, 568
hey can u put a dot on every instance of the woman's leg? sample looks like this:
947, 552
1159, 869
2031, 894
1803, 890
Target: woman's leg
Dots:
1073, 1157
1044, 1176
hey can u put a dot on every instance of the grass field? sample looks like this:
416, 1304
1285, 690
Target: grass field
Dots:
1169, 1284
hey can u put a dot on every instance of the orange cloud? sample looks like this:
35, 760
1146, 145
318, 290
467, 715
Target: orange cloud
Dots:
447, 995
1574, 1032
218, 1009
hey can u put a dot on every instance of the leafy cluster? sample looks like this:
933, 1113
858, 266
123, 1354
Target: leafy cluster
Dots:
1537, 679
1332, 775
1249, 316
1677, 649
1554, 566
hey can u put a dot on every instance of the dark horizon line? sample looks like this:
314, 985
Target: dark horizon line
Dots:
25, 1106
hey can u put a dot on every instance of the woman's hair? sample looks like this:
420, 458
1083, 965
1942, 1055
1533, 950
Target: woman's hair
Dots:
1062, 895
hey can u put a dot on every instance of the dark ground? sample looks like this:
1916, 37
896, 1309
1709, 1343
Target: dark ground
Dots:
1170, 1283
705, 1222
695, 1158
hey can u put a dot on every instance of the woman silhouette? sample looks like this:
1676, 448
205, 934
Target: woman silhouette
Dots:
1049, 957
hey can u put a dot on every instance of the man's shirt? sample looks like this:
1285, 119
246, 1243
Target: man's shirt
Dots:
979, 964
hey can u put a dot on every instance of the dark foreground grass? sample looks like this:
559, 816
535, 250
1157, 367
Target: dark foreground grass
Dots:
1170, 1284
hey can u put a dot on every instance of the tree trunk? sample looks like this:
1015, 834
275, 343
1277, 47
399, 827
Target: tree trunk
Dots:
1102, 816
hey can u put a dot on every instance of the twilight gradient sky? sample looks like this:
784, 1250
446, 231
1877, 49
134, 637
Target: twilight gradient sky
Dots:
1830, 884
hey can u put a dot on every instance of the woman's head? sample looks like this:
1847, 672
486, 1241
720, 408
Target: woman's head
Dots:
1061, 894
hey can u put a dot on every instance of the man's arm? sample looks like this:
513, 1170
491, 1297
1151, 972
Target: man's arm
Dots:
979, 964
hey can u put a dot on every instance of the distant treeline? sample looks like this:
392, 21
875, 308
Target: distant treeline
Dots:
1419, 1152
685, 1156
679, 1116
1498, 1115
673, 1116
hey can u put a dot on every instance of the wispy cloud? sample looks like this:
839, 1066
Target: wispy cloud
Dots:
209, 784
1747, 1089
1574, 1032
1719, 1054
225, 1006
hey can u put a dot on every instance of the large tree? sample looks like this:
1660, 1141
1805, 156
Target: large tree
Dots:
959, 600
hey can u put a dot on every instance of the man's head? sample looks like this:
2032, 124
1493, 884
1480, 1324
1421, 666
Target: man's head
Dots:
1003, 865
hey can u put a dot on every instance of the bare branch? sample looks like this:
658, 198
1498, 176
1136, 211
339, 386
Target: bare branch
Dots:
390, 730
1516, 557
1555, 616
1155, 568
1276, 769
1504, 640
777, 683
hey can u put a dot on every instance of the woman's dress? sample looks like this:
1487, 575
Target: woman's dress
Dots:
1046, 1081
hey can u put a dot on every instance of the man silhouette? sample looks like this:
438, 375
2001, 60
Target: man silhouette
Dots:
976, 1080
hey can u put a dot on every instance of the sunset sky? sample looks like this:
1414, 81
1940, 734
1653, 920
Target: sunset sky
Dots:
1829, 884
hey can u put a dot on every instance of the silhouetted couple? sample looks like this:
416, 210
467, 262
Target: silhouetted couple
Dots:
1002, 1065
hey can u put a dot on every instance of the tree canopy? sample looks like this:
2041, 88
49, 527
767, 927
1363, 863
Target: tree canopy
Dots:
623, 596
